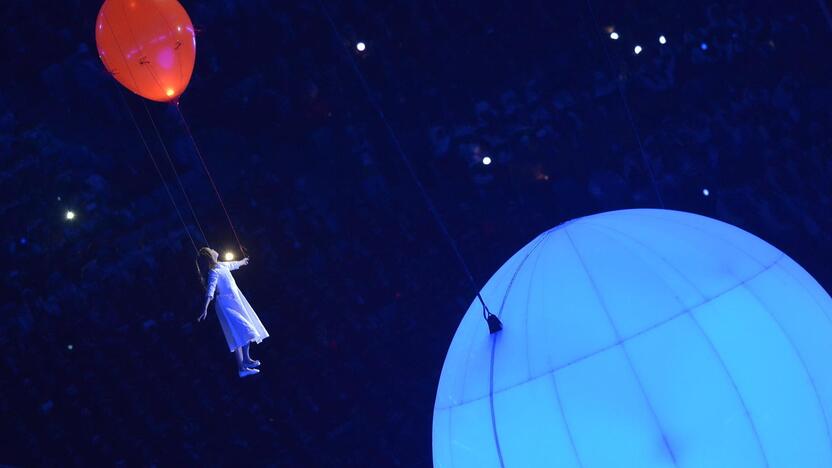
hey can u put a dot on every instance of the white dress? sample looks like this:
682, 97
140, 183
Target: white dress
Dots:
238, 320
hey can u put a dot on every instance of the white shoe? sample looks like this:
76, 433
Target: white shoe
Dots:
247, 372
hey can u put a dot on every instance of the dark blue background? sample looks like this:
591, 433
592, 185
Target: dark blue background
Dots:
102, 360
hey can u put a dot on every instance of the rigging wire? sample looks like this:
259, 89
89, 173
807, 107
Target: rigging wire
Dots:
493, 321
148, 150
628, 112
156, 166
175, 172
208, 173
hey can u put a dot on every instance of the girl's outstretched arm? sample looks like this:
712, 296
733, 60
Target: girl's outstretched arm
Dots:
235, 265
210, 288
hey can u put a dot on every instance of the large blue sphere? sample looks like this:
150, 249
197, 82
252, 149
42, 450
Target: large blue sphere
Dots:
641, 338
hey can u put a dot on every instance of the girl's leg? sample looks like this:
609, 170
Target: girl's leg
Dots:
238, 354
242, 369
248, 361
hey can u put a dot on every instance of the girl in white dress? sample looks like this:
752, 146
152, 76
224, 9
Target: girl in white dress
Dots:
238, 321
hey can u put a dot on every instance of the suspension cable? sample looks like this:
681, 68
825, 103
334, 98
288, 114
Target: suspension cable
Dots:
156, 166
408, 164
175, 173
208, 173
144, 141
628, 112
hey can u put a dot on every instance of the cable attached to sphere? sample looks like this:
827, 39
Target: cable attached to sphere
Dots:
494, 324
627, 110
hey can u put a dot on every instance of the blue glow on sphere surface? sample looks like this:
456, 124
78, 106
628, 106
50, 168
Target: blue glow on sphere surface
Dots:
642, 338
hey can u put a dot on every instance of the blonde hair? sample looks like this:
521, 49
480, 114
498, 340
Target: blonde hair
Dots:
205, 255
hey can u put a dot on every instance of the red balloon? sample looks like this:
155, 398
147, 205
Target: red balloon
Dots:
147, 45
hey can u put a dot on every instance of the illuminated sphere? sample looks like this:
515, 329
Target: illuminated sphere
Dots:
641, 338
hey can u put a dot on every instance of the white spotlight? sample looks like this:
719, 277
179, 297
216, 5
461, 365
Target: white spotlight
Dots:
70, 215
637, 49
706, 192
614, 36
662, 40
360, 46
486, 160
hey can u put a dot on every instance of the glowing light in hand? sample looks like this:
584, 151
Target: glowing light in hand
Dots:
228, 256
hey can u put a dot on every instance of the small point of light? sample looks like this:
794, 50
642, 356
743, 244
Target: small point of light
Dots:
706, 192
23, 240
360, 46
703, 46
662, 40
228, 256
614, 36
169, 92
70, 215
179, 28
69, 347
637, 49
486, 160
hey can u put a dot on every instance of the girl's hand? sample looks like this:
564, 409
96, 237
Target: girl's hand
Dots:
244, 261
202, 317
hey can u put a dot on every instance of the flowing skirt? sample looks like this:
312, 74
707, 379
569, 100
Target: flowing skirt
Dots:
239, 323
